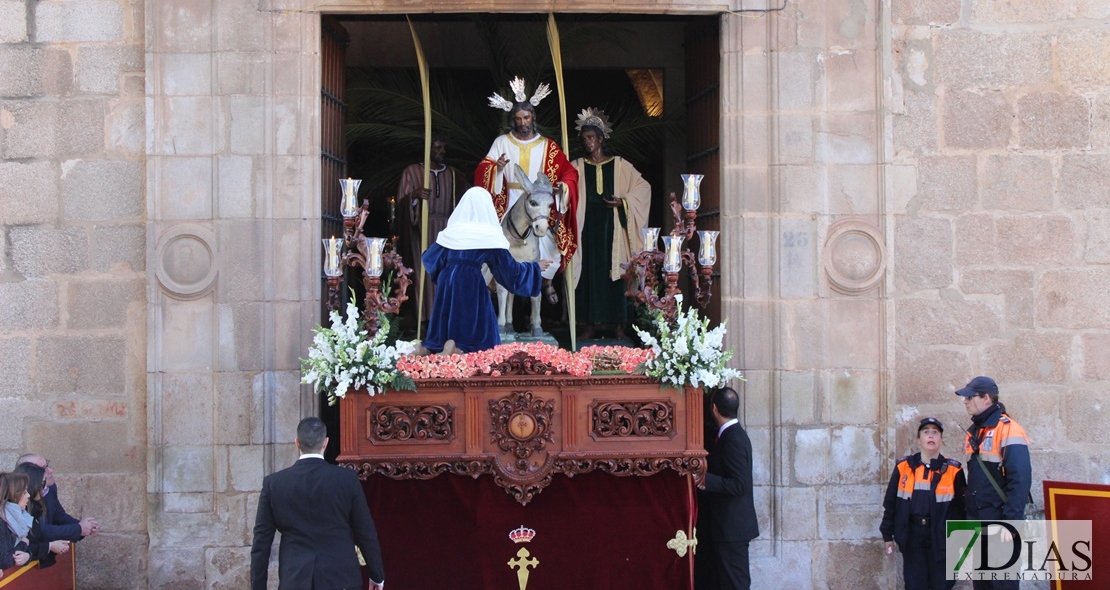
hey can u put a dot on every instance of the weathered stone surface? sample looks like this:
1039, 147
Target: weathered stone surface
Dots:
1086, 412
915, 126
185, 190
1038, 407
922, 253
1096, 363
947, 183
13, 21
977, 119
975, 240
227, 567
60, 21
128, 566
795, 141
187, 400
799, 80
48, 129
926, 12
184, 126
103, 304
28, 306
80, 447
1017, 183
931, 321
1050, 239
245, 467
117, 248
176, 568
854, 455
1100, 121
852, 337
848, 511
15, 366
852, 189
798, 390
1074, 298
100, 68
846, 138
242, 26
91, 410
852, 564
1016, 286
850, 24
247, 124
1074, 50
81, 364
239, 240
185, 26
1043, 357
34, 71
187, 335
186, 74
225, 524
187, 468
974, 59
28, 192
853, 397
1049, 120
845, 74
127, 129
98, 190
39, 250
811, 456
801, 505
926, 376
115, 500
241, 73
1083, 181
1016, 11
914, 60
233, 408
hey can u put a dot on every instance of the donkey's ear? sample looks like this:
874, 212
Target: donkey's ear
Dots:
522, 178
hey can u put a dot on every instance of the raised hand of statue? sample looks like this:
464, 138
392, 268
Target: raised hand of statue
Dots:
543, 264
420, 193
502, 161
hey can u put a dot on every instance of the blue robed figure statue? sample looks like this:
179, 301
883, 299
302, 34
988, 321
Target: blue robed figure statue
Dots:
463, 317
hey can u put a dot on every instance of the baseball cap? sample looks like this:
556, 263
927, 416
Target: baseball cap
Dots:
930, 422
977, 386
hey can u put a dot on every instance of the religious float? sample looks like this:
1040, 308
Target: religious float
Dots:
526, 466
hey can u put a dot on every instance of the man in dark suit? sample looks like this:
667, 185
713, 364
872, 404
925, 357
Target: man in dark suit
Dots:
56, 523
726, 511
322, 514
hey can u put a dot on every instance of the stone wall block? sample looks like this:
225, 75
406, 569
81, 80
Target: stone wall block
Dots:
975, 240
848, 511
242, 246
846, 73
854, 455
847, 559
241, 73
102, 190
755, 89
117, 248
852, 189
922, 253
757, 352
233, 408
181, 25
114, 500
295, 265
19, 412
854, 333
804, 188
1074, 298
85, 447
972, 59
289, 121
245, 464
61, 21
249, 330
31, 71
186, 126
795, 139
187, 333
976, 120
103, 303
28, 306
127, 129
176, 567
798, 397
936, 12
293, 321
847, 139
947, 183
853, 397
811, 455
128, 566
28, 192
850, 24
792, 566
928, 375
289, 74
1016, 286
915, 125
236, 188
799, 78
1100, 120
932, 321
81, 364
227, 568
1049, 120
1083, 181
15, 366
799, 521
1096, 363
13, 21
995, 12
1086, 412
1074, 50
290, 191
186, 74
185, 189
247, 125
187, 402
188, 469
38, 251
100, 68
1050, 239
914, 59
797, 238
1038, 357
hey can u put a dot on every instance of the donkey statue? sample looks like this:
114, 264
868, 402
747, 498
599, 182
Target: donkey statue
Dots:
524, 223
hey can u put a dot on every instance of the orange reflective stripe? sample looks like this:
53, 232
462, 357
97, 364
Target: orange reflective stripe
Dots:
905, 480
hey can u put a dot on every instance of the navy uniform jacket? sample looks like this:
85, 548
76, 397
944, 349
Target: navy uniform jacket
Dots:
321, 512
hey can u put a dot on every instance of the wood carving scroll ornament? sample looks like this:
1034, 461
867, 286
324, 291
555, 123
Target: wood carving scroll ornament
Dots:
412, 423
632, 419
521, 428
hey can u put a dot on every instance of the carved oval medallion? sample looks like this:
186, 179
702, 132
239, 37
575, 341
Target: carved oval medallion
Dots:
854, 256
522, 426
186, 261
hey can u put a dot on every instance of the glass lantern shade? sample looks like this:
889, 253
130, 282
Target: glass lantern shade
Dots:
691, 191
707, 247
374, 249
672, 260
650, 236
333, 250
349, 204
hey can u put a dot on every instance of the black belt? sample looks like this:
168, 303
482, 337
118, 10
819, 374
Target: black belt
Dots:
919, 520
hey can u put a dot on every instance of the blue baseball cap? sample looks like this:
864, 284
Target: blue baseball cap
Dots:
978, 386
930, 422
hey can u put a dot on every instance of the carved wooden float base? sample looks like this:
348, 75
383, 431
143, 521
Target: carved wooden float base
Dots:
524, 430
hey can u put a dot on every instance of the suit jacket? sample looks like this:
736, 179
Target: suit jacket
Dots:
321, 512
56, 523
728, 498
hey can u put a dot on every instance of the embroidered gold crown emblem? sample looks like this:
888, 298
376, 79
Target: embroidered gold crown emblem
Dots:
522, 535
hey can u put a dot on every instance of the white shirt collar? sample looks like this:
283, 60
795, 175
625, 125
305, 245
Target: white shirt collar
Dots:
310, 456
726, 425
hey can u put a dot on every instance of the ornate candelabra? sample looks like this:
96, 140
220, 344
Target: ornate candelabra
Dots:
643, 272
357, 250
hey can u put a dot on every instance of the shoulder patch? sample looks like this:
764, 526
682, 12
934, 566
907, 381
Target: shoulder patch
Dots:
953, 462
1004, 418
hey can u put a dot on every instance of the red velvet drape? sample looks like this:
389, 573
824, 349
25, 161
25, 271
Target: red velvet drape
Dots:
594, 531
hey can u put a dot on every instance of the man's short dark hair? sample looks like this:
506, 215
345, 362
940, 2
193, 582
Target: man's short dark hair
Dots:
311, 433
440, 137
727, 402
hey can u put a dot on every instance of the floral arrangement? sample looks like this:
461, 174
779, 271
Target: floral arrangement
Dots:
688, 353
342, 357
458, 366
617, 359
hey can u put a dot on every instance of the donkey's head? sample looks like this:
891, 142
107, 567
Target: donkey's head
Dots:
537, 200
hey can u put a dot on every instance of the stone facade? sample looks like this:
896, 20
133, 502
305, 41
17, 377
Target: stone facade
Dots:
916, 195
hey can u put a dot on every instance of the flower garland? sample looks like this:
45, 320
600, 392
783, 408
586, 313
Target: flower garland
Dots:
688, 353
342, 357
471, 364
